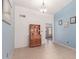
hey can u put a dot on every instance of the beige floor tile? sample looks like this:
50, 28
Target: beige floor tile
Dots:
53, 51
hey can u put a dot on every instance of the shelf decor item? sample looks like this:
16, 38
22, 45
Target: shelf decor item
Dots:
60, 22
73, 20
66, 24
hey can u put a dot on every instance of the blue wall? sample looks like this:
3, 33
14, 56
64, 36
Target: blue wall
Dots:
65, 35
7, 41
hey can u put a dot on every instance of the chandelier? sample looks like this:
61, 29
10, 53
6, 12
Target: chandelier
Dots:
43, 7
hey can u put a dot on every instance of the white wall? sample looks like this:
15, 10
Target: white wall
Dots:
22, 24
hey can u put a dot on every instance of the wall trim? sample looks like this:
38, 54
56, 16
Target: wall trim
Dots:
53, 30
61, 44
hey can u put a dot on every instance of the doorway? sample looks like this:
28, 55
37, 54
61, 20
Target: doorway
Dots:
34, 35
48, 33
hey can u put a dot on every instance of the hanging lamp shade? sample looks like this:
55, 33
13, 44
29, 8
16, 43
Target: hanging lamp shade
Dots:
43, 8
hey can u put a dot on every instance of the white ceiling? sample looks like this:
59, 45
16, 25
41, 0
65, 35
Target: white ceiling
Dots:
52, 5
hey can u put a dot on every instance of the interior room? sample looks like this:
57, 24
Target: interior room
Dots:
39, 29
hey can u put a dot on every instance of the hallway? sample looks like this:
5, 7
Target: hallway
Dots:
45, 52
43, 23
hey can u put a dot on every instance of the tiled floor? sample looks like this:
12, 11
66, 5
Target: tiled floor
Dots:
53, 51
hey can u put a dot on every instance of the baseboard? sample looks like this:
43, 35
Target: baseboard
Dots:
61, 44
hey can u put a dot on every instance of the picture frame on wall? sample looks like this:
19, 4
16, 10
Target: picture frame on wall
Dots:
73, 20
7, 11
60, 22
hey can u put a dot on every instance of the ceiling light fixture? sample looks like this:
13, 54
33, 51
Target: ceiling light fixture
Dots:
43, 7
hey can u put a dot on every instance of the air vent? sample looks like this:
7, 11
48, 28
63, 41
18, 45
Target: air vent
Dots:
22, 16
